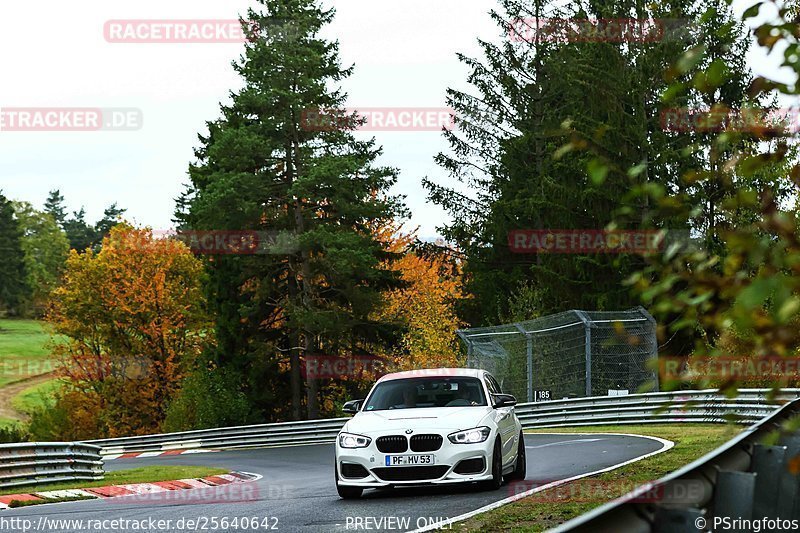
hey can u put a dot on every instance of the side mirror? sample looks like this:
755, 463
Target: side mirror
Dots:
504, 400
352, 407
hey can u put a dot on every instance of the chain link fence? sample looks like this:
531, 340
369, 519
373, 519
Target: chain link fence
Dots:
569, 355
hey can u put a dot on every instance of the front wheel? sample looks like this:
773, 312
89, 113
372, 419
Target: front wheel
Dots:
347, 493
520, 469
497, 469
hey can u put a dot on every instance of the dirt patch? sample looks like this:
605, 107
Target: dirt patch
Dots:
8, 392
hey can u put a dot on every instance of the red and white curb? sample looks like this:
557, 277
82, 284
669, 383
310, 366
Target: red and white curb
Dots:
131, 455
136, 489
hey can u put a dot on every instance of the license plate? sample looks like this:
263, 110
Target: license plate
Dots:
409, 460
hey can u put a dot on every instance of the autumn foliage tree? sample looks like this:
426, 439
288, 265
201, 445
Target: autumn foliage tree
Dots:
424, 305
134, 320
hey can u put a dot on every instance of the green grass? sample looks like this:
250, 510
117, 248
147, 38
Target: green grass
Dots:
36, 396
541, 511
5, 422
27, 503
145, 474
24, 350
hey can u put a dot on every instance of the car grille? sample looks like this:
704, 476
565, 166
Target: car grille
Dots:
411, 473
470, 466
354, 471
426, 443
392, 444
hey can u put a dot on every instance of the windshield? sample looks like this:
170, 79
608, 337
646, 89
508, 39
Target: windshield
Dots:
426, 392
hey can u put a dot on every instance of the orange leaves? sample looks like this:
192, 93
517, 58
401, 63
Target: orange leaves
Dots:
425, 306
134, 318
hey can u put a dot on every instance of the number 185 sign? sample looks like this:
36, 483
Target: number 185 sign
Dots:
542, 396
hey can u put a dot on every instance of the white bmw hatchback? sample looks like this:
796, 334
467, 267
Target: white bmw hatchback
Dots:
447, 425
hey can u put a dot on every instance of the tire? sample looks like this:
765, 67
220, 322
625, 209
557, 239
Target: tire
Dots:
519, 470
346, 493
497, 469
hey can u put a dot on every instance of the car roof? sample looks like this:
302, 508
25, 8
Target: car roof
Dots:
434, 373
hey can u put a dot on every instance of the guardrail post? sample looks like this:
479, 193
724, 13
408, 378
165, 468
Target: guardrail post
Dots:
677, 520
588, 349
733, 495
529, 359
768, 464
788, 497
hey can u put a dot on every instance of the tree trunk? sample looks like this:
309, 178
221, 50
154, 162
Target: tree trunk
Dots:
293, 290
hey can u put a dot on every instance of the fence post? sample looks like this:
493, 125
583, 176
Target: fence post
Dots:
587, 326
529, 350
466, 340
653, 336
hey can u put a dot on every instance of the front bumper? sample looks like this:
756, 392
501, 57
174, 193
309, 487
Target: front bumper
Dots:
446, 459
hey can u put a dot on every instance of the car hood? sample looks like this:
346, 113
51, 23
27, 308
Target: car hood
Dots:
439, 419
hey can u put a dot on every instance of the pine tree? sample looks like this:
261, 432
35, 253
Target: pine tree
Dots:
112, 215
723, 85
13, 284
83, 236
80, 234
262, 168
55, 206
537, 104
526, 91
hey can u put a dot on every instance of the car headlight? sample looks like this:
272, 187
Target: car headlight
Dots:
350, 440
470, 436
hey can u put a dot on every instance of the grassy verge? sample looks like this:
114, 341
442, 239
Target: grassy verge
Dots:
24, 350
36, 396
145, 474
7, 422
550, 508
27, 503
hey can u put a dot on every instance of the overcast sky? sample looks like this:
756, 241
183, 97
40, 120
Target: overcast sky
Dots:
55, 55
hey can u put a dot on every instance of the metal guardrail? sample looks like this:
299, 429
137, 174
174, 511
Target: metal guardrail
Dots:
280, 434
33, 463
746, 479
705, 406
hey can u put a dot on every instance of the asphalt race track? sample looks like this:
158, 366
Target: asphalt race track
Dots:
297, 493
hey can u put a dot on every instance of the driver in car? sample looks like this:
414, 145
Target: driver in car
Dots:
463, 398
410, 397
